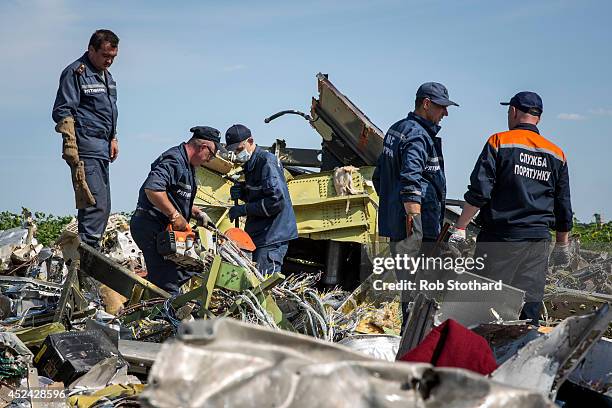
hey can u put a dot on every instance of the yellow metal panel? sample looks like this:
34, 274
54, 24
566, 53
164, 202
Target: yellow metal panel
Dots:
214, 196
320, 212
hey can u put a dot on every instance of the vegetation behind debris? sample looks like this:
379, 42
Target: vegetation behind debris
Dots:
594, 237
48, 226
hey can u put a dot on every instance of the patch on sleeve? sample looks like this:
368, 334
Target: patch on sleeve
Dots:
80, 69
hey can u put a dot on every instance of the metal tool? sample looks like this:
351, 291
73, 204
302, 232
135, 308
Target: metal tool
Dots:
173, 242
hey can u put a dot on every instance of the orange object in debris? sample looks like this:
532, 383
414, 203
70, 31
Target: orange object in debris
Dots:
241, 239
175, 242
545, 330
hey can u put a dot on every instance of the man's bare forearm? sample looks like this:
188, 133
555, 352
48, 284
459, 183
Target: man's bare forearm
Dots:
412, 208
161, 201
562, 236
467, 213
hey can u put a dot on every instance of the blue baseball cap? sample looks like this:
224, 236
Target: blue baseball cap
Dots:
435, 92
206, 133
235, 135
528, 102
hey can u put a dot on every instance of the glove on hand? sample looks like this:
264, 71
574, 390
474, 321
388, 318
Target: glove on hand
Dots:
82, 195
70, 152
236, 191
237, 211
457, 236
560, 255
179, 223
203, 220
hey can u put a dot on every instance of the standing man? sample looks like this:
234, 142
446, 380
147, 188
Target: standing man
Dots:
85, 112
166, 197
409, 176
520, 184
270, 219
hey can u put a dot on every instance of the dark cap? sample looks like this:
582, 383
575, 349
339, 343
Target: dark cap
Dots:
436, 92
528, 102
206, 133
235, 135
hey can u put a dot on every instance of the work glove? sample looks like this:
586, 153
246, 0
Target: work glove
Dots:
560, 255
82, 195
236, 191
456, 241
179, 223
70, 152
203, 220
457, 236
237, 211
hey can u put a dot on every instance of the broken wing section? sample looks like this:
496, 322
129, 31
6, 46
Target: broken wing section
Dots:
348, 134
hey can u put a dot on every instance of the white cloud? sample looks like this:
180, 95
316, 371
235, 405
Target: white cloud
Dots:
236, 67
601, 111
571, 116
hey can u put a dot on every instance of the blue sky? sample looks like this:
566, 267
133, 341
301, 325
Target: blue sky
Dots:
216, 63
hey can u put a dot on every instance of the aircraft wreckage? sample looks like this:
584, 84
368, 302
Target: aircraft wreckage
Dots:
85, 327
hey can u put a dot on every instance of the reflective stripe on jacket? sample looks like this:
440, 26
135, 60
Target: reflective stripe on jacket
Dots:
410, 169
270, 216
170, 172
90, 97
521, 184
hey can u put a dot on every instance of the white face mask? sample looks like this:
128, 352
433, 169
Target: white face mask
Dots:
243, 156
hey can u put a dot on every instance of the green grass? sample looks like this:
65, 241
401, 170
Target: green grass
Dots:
50, 226
594, 238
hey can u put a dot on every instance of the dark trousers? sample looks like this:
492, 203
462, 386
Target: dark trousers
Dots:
160, 272
519, 262
92, 220
270, 258
414, 246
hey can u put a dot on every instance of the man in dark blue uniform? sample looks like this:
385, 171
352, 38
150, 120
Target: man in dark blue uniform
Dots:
166, 197
520, 185
409, 177
270, 218
85, 112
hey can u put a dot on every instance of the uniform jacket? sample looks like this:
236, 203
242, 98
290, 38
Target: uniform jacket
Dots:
172, 173
90, 97
270, 216
520, 183
410, 168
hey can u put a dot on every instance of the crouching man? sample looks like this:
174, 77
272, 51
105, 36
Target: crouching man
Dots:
166, 197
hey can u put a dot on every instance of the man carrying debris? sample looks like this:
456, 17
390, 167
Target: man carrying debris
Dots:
270, 219
166, 197
520, 184
409, 176
85, 112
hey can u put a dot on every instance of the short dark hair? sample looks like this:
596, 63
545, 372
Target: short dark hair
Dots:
101, 36
194, 141
418, 102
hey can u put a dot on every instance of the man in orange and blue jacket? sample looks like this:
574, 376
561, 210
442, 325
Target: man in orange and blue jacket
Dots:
520, 185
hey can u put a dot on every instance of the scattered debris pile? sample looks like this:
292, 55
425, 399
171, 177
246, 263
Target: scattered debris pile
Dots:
57, 331
83, 325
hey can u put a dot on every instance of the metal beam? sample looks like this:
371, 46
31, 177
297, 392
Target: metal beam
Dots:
115, 276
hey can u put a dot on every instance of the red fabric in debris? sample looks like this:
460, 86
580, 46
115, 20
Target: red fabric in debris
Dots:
453, 345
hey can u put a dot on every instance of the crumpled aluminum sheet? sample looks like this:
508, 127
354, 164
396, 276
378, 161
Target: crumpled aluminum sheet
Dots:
544, 363
378, 346
10, 340
107, 372
227, 363
9, 240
